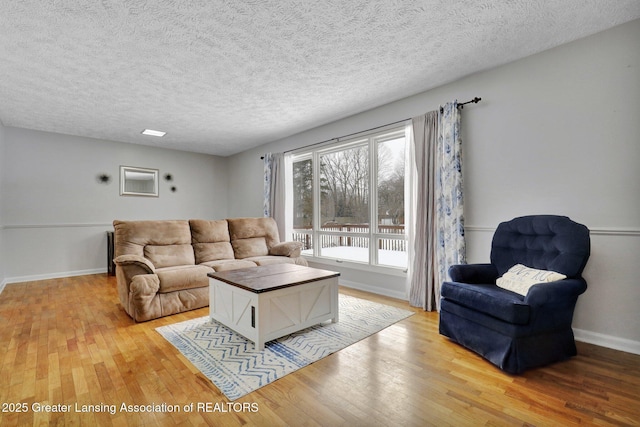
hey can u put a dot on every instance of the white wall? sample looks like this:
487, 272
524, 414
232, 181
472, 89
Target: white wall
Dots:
55, 212
2, 258
558, 133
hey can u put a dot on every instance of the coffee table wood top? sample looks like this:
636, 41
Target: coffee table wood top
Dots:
271, 277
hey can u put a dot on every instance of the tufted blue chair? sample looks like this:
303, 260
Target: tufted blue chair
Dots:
512, 331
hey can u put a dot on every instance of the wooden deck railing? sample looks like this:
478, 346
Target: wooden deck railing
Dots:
303, 235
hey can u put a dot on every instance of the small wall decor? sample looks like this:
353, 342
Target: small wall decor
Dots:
169, 178
138, 181
103, 178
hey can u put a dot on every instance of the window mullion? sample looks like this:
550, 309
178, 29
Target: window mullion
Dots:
315, 232
373, 200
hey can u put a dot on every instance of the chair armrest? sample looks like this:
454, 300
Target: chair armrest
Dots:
474, 273
555, 293
288, 249
135, 261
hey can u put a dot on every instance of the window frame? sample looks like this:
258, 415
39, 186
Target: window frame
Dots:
371, 140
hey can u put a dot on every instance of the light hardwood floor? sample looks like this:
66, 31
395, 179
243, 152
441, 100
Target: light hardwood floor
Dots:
68, 343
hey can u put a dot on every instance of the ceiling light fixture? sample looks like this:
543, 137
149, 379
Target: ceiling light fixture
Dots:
153, 132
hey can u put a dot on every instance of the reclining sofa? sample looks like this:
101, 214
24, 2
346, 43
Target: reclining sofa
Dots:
162, 266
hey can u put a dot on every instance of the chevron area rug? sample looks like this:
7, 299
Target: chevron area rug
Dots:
231, 363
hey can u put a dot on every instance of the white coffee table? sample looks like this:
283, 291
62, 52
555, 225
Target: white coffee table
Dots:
267, 302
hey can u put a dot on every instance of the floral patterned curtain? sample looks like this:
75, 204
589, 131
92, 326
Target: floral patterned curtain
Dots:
268, 171
438, 238
450, 214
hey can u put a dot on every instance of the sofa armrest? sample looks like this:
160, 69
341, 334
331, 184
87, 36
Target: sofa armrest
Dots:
142, 263
288, 249
145, 285
137, 286
474, 273
557, 293
143, 303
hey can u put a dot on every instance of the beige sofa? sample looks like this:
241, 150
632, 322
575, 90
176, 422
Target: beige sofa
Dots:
162, 266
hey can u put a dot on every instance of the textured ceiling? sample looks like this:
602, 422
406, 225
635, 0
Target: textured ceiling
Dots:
223, 76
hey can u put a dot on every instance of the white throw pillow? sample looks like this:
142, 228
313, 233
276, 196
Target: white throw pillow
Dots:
520, 278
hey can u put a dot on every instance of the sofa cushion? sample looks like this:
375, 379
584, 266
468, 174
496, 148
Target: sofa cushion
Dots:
183, 277
252, 236
165, 242
271, 259
229, 264
488, 299
245, 248
212, 251
210, 240
169, 255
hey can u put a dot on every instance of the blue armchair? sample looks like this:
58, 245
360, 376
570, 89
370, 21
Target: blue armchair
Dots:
517, 332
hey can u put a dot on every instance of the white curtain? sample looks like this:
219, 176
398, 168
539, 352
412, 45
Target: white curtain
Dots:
437, 204
274, 190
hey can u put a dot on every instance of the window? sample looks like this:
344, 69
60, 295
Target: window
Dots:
340, 190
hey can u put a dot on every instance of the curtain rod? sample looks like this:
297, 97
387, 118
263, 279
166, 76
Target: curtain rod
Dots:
460, 106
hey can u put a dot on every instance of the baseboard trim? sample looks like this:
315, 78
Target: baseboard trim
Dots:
608, 341
372, 289
34, 277
2, 284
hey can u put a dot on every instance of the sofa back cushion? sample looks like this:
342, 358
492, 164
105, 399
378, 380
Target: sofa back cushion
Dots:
210, 240
252, 237
164, 243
